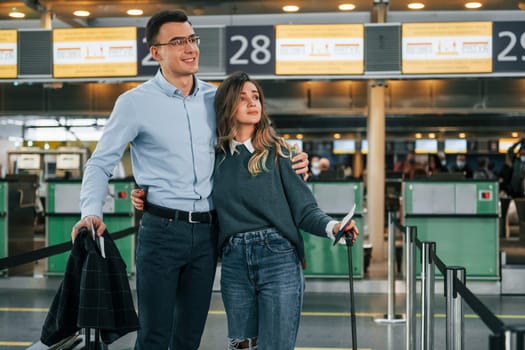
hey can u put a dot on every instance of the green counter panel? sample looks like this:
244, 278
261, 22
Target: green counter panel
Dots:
59, 231
325, 260
463, 241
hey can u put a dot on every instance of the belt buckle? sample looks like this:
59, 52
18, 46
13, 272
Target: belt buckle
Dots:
190, 219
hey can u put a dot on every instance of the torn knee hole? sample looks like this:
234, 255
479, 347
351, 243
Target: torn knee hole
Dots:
250, 344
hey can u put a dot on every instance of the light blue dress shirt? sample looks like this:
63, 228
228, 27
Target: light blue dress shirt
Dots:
172, 141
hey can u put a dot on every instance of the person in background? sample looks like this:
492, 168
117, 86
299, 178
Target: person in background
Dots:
517, 179
261, 204
461, 166
170, 123
434, 165
314, 168
483, 172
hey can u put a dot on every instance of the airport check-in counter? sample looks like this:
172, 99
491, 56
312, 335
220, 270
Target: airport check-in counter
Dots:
3, 221
63, 211
462, 218
322, 258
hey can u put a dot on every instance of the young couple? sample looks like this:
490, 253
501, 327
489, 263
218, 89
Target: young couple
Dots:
174, 123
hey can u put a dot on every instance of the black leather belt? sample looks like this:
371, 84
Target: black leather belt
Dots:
193, 217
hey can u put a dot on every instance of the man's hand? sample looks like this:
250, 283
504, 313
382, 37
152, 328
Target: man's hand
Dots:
97, 222
137, 198
300, 164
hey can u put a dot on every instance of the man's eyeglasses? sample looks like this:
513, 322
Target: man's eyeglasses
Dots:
182, 41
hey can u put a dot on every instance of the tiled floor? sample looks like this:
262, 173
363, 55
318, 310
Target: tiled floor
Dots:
325, 320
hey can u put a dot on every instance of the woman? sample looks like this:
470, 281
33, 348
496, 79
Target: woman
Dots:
261, 204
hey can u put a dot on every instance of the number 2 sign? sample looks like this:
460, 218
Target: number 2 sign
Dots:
250, 49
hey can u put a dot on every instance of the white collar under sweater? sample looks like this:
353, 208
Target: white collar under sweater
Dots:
247, 144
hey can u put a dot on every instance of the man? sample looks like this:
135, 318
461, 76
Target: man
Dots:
170, 123
517, 177
461, 166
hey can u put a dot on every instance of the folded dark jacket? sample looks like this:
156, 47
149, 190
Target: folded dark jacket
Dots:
94, 293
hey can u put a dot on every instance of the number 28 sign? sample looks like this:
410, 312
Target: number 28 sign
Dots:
250, 49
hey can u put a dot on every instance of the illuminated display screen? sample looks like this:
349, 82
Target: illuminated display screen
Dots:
68, 161
364, 146
424, 146
461, 47
94, 52
455, 146
296, 144
319, 49
343, 147
8, 53
505, 143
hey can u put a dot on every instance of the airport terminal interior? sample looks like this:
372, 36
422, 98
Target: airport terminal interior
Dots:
413, 111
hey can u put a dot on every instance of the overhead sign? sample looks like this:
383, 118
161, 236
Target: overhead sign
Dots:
509, 46
462, 47
8, 53
250, 49
305, 49
94, 52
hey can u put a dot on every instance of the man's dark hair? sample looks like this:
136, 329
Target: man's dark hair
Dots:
158, 19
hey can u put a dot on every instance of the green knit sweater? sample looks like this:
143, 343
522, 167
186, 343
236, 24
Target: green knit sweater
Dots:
275, 198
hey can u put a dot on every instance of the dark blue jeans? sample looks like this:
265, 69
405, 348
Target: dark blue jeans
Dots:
262, 286
176, 264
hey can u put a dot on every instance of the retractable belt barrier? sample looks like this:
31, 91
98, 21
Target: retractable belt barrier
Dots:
508, 337
42, 253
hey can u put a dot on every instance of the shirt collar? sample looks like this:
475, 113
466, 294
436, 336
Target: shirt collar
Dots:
169, 89
248, 144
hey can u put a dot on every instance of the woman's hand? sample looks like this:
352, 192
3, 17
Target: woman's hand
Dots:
350, 229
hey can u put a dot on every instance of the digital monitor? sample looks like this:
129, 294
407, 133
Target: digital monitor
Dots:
505, 143
424, 146
451, 47
296, 144
94, 52
364, 146
8, 53
343, 147
304, 49
67, 161
455, 146
28, 161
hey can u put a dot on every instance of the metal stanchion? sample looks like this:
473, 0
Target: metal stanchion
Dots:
514, 338
410, 260
390, 316
427, 296
454, 308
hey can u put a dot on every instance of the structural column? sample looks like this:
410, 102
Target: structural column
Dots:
375, 167
375, 164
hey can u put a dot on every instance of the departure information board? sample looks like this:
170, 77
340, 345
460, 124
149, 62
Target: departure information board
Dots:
431, 48
8, 53
94, 52
319, 49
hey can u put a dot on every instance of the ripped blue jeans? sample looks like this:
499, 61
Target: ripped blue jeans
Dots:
262, 286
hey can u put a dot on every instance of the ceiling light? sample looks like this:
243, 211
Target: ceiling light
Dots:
346, 7
462, 135
135, 12
473, 5
290, 8
416, 6
81, 13
16, 14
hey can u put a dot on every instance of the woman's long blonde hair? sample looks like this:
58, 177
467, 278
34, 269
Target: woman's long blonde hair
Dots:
265, 136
